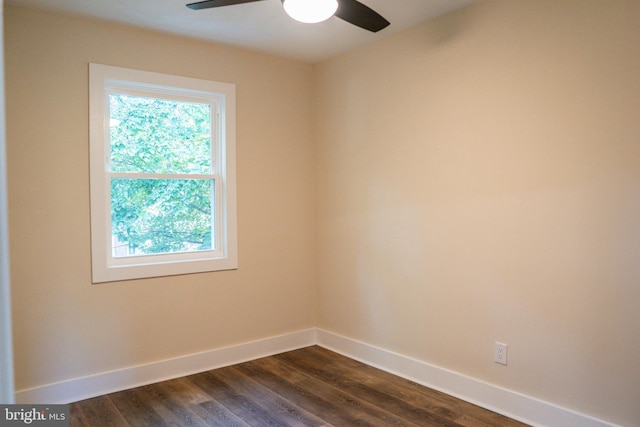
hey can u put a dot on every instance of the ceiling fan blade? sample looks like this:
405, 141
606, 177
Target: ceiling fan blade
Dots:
360, 15
216, 3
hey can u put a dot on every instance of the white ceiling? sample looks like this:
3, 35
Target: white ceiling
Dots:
261, 25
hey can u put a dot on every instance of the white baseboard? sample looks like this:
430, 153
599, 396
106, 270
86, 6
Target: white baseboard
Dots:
512, 404
515, 405
82, 388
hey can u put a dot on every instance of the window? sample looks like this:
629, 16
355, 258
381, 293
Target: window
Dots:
162, 165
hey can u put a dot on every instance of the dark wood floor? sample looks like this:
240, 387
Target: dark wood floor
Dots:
307, 387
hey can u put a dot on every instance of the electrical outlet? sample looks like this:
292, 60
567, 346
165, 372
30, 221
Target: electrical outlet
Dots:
500, 353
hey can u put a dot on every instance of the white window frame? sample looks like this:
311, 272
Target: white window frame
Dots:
103, 80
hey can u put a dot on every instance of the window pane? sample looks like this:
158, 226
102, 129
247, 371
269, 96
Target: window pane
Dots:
156, 216
151, 135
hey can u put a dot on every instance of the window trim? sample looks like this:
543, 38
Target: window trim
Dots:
105, 268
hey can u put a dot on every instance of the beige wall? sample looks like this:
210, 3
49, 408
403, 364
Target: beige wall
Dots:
64, 326
479, 180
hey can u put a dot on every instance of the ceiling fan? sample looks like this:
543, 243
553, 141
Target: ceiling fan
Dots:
311, 11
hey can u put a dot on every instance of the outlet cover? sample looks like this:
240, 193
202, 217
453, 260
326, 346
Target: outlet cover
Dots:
500, 353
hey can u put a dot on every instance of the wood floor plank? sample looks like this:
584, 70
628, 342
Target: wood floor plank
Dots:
285, 385
310, 387
336, 407
97, 411
358, 410
216, 414
167, 404
186, 392
346, 379
134, 409
240, 405
287, 410
408, 392
76, 416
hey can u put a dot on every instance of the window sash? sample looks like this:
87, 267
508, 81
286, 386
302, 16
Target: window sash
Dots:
217, 229
214, 101
155, 92
221, 97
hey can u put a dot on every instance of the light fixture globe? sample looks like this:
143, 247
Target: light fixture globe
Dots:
310, 11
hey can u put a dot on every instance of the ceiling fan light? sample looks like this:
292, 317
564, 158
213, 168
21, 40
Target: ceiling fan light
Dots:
310, 11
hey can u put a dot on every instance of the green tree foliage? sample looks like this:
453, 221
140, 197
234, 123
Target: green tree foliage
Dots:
163, 214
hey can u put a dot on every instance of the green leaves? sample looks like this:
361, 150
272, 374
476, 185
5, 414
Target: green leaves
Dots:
151, 216
167, 137
160, 135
